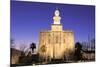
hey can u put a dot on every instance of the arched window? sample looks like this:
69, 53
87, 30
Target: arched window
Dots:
56, 39
49, 38
64, 40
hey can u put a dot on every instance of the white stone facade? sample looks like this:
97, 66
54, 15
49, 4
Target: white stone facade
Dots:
56, 42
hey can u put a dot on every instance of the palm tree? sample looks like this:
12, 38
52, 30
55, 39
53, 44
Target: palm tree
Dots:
32, 46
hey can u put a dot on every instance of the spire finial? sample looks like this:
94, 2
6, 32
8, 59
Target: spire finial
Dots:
56, 8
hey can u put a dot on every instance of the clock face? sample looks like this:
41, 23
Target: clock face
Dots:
57, 13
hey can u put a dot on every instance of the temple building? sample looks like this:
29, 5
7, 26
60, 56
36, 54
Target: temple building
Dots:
56, 43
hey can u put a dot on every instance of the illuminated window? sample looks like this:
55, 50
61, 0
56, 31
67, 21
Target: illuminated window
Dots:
64, 40
49, 41
56, 39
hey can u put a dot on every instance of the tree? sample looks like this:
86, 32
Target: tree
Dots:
93, 43
32, 46
78, 48
29, 58
22, 47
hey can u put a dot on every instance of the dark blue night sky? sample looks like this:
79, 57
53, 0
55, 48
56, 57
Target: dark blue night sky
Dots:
29, 18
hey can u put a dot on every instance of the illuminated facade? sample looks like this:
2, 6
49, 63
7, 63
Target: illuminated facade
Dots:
56, 43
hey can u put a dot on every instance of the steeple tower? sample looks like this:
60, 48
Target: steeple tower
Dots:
56, 26
57, 17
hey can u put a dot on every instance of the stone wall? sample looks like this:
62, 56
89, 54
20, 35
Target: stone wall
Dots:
55, 43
